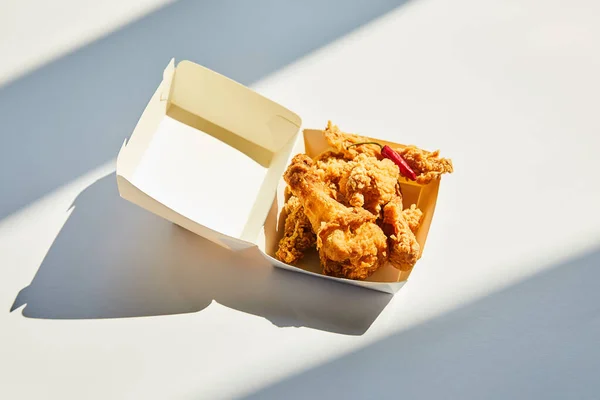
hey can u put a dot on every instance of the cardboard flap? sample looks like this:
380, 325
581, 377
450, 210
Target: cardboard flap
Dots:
131, 152
226, 106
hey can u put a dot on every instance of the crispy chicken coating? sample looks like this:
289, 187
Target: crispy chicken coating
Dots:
330, 167
298, 235
370, 183
403, 245
340, 142
413, 217
427, 165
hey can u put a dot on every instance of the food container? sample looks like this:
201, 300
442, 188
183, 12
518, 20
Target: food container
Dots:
208, 154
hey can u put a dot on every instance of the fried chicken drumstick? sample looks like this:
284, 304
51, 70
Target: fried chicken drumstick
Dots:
350, 244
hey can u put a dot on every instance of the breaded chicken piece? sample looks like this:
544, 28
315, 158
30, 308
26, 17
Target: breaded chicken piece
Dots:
298, 234
327, 155
413, 217
330, 167
350, 244
340, 142
427, 165
370, 183
404, 248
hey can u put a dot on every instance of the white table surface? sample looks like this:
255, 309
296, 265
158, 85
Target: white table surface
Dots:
109, 301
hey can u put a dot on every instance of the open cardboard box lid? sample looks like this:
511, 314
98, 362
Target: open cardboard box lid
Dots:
208, 154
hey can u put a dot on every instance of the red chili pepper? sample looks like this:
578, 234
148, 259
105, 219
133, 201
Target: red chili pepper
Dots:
391, 154
405, 170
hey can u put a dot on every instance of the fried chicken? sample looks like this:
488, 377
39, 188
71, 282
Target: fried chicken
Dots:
330, 167
404, 248
370, 183
347, 201
427, 165
340, 142
413, 217
350, 244
298, 234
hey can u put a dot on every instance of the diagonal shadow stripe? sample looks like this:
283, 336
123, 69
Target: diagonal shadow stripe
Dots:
537, 339
73, 114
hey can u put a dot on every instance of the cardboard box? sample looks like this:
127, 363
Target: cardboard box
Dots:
209, 154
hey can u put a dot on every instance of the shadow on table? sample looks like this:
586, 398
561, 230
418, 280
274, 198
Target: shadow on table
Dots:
73, 114
113, 259
538, 339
